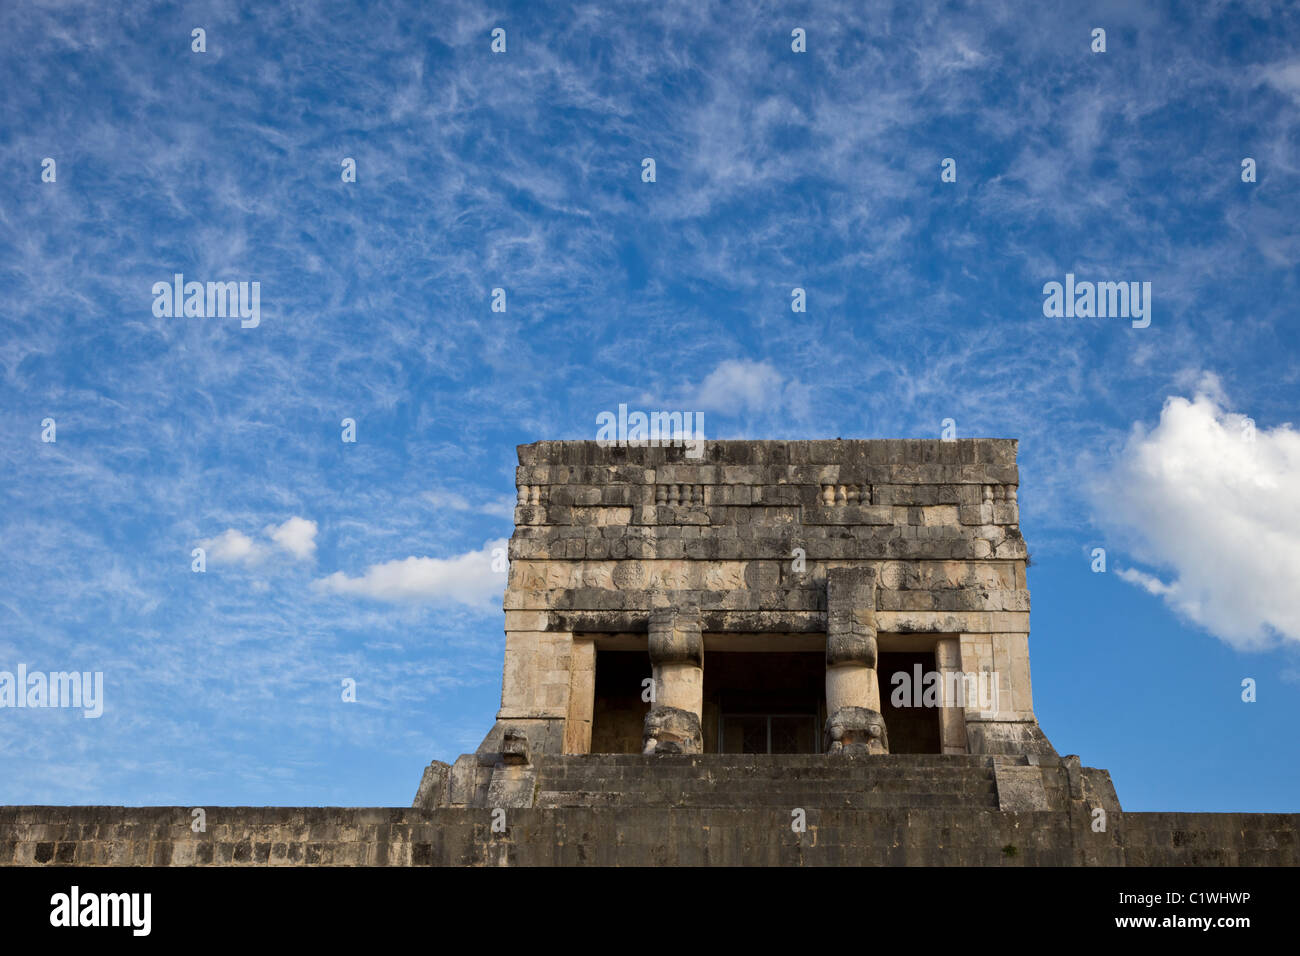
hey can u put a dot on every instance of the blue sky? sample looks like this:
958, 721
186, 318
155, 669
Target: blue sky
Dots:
522, 170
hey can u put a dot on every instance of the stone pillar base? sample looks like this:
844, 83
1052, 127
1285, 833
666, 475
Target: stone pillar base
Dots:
671, 730
856, 730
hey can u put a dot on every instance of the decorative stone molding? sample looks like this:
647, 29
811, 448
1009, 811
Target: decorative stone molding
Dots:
530, 504
679, 496
851, 617
851, 494
999, 492
531, 495
514, 747
675, 636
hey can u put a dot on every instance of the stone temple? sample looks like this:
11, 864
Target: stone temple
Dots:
852, 613
772, 653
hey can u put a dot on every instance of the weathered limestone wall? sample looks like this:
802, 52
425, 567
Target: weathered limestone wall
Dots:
749, 533
381, 836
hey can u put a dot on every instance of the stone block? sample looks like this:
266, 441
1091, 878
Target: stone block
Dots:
675, 635
434, 789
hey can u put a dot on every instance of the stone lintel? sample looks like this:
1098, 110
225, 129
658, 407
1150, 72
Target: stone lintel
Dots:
636, 620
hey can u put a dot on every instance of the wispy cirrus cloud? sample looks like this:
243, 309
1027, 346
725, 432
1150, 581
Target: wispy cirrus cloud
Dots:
776, 171
499, 506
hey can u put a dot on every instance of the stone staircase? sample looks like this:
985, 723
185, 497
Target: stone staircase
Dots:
777, 781
869, 782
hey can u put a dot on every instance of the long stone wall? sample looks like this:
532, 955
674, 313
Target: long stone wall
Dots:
383, 836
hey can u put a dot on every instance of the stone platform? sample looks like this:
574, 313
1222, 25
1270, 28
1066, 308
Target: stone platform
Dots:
677, 810
808, 781
636, 836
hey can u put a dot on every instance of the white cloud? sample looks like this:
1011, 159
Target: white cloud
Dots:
1284, 77
740, 385
448, 499
297, 536
232, 546
1216, 501
1147, 582
464, 579
501, 506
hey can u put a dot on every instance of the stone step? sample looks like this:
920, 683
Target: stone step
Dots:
840, 799
780, 799
770, 760
911, 784
786, 773
779, 794
672, 763
916, 781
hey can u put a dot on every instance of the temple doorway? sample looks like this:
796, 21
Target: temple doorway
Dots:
764, 702
619, 710
913, 728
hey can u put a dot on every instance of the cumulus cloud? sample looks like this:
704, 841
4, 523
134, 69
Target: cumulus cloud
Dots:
739, 385
297, 536
468, 579
1212, 499
233, 547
